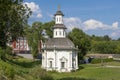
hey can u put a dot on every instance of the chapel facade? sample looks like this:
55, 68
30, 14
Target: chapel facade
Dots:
59, 53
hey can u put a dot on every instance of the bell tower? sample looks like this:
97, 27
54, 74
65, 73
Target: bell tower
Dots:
59, 27
59, 17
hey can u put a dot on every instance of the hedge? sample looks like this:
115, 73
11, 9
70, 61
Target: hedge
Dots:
98, 60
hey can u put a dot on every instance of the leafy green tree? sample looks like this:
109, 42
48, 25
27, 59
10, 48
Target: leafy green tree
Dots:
106, 38
13, 17
34, 36
48, 28
118, 39
81, 40
96, 38
100, 38
117, 50
104, 47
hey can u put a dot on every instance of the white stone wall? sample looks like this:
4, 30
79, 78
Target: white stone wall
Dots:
57, 57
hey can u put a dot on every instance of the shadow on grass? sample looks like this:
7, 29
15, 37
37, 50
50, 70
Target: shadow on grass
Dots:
80, 67
74, 78
25, 63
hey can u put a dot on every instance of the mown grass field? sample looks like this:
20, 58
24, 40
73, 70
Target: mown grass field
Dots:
31, 70
93, 72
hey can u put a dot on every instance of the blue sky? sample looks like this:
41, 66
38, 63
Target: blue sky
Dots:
98, 17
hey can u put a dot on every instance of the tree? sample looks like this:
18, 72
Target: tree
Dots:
101, 38
34, 35
48, 27
118, 39
13, 18
106, 38
117, 50
81, 40
104, 47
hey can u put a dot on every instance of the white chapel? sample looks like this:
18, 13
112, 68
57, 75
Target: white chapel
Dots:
59, 53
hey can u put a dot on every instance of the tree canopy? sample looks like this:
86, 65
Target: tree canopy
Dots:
35, 34
13, 18
81, 40
48, 28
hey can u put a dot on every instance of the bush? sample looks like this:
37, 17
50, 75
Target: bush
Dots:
94, 61
6, 53
2, 54
40, 74
6, 70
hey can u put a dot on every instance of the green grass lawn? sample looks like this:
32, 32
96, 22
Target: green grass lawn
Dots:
93, 72
30, 70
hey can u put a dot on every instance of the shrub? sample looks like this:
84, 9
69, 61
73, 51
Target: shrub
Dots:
40, 74
6, 70
94, 61
6, 53
2, 54
108, 60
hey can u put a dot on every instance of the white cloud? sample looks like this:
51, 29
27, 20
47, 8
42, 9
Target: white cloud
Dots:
36, 12
50, 15
39, 15
115, 34
90, 24
94, 24
72, 22
115, 25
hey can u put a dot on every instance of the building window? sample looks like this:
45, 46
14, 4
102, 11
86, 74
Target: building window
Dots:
56, 33
24, 46
60, 32
17, 46
62, 64
59, 19
50, 64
